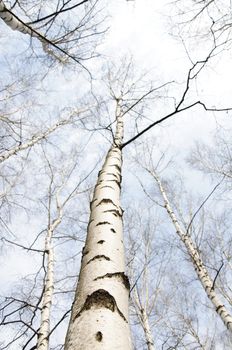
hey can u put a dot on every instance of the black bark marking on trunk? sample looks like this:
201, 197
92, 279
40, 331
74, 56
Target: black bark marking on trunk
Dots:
84, 252
91, 203
117, 182
113, 230
115, 212
90, 221
101, 241
219, 307
99, 336
120, 275
98, 257
106, 201
117, 167
98, 300
103, 223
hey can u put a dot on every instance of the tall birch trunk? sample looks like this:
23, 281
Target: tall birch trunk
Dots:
198, 264
99, 318
43, 333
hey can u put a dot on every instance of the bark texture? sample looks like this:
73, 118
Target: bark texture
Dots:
198, 264
16, 24
12, 21
43, 333
147, 330
99, 317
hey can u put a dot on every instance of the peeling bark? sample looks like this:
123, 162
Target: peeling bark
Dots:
99, 317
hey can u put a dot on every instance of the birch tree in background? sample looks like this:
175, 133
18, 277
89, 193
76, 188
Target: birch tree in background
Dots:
62, 39
30, 307
34, 139
143, 248
203, 275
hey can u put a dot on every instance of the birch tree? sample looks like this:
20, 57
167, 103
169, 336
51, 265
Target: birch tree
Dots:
30, 308
203, 274
100, 309
61, 38
99, 314
34, 139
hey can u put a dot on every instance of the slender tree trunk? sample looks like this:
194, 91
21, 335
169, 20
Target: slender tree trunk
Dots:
99, 317
43, 333
147, 330
34, 139
144, 320
200, 269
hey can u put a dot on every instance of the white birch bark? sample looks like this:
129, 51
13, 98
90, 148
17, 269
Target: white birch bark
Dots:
99, 317
147, 330
43, 333
15, 24
199, 267
34, 139
12, 21
144, 320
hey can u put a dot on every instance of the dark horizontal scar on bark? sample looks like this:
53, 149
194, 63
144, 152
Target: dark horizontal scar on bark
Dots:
115, 212
98, 300
113, 230
107, 171
119, 275
101, 241
117, 182
98, 257
219, 307
105, 201
103, 223
117, 167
